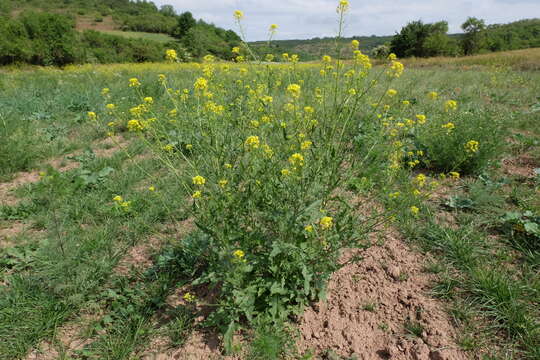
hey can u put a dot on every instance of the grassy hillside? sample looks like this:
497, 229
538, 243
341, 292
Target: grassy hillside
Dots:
60, 32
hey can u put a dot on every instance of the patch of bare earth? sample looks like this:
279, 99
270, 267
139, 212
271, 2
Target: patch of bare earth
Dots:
10, 230
369, 304
522, 165
67, 339
90, 23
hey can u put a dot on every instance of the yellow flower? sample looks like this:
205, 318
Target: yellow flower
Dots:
134, 82
306, 145
105, 91
110, 106
196, 195
201, 84
285, 172
188, 297
391, 92
414, 210
238, 254
450, 105
152, 188
326, 222
273, 27
421, 118
327, 59
352, 92
394, 195
308, 228
252, 142
472, 146
449, 126
355, 44
92, 115
118, 198
269, 57
433, 95
149, 100
396, 69
238, 15
228, 166
296, 159
135, 125
42, 173
161, 78
392, 57
420, 179
168, 148
454, 175
406, 102
199, 180
236, 50
125, 205
294, 90
223, 183
171, 55
343, 6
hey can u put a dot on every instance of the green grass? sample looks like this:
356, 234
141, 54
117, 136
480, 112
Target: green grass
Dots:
140, 35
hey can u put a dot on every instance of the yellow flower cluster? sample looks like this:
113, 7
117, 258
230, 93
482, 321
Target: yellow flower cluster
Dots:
171, 55
472, 146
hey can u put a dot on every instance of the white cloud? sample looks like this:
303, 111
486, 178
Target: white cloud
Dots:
300, 19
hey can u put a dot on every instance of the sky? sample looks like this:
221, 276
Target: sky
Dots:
304, 19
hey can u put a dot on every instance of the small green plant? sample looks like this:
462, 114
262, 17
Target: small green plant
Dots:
369, 307
414, 328
523, 228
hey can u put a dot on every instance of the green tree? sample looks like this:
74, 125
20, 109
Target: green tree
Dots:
185, 23
422, 40
474, 38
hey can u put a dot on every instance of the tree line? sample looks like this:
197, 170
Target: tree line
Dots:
420, 39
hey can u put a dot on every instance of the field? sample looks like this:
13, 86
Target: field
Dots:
199, 211
140, 35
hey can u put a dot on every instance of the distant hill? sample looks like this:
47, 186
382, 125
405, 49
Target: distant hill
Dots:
522, 34
59, 32
315, 48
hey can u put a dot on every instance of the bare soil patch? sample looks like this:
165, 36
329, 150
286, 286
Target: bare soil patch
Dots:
372, 306
90, 23
522, 165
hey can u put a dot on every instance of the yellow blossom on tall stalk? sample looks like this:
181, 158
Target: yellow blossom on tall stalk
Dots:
148, 100
355, 44
391, 92
236, 50
252, 142
171, 55
135, 125
306, 145
294, 90
454, 175
238, 15
92, 116
134, 82
327, 59
105, 91
433, 95
343, 6
421, 118
449, 126
396, 69
296, 160
273, 27
199, 180
238, 254
450, 105
201, 84
472, 146
414, 210
326, 222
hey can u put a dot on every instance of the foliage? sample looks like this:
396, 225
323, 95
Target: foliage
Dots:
423, 40
524, 228
474, 38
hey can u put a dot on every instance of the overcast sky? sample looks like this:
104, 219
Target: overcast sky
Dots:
302, 19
